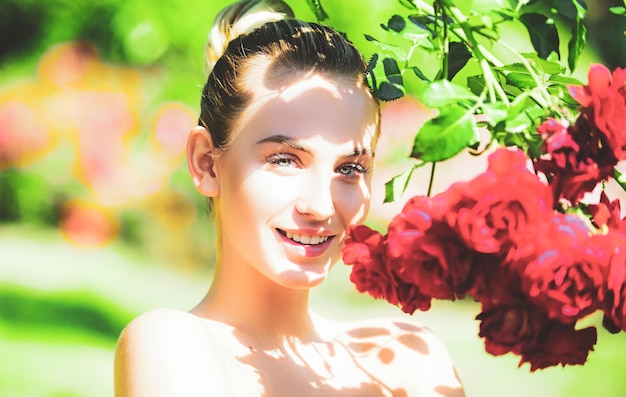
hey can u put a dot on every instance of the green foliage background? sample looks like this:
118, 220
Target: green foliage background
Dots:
62, 307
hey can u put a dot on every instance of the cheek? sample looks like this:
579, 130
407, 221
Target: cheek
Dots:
353, 202
267, 194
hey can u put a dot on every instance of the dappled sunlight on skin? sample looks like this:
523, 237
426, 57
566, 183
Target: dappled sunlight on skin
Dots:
280, 373
307, 381
378, 361
323, 127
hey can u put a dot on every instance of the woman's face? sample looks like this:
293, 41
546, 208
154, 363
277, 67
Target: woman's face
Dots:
295, 177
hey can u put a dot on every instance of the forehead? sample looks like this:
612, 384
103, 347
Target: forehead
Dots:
337, 110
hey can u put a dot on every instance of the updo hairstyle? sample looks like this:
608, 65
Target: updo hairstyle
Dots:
252, 33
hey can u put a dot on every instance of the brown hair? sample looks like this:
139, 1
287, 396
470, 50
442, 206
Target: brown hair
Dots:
293, 47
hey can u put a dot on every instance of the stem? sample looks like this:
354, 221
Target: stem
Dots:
491, 80
446, 45
432, 179
421, 5
495, 89
484, 57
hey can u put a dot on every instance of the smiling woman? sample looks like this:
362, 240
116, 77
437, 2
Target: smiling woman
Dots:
284, 150
289, 171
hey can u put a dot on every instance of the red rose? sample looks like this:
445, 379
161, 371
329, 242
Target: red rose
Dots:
603, 102
567, 277
410, 298
558, 142
435, 260
573, 182
411, 218
615, 299
364, 250
435, 207
606, 213
423, 251
504, 160
510, 328
495, 284
500, 205
571, 171
560, 344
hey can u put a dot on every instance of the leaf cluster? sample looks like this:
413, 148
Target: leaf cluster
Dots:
480, 81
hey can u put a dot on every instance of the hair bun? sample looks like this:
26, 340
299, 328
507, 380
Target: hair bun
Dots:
241, 18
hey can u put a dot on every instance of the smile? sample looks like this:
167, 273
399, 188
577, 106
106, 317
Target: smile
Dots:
305, 239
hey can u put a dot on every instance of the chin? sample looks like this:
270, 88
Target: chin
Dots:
302, 279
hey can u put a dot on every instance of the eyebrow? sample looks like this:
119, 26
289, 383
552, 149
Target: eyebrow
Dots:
360, 152
290, 142
283, 140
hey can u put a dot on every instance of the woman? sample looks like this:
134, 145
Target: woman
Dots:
284, 151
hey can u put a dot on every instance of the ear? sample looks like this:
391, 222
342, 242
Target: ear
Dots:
201, 161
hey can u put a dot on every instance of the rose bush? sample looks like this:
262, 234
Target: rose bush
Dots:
534, 238
603, 102
518, 239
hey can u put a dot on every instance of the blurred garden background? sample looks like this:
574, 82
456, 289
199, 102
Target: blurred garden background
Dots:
98, 218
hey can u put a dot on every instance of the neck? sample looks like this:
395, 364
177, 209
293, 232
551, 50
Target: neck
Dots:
256, 306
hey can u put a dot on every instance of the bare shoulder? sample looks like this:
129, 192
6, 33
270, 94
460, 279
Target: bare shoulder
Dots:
405, 355
162, 352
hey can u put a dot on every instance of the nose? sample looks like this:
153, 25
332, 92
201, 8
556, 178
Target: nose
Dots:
316, 199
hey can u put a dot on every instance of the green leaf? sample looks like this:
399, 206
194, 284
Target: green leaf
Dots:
520, 80
518, 122
618, 10
458, 57
385, 78
476, 84
371, 75
392, 71
574, 10
424, 22
486, 6
578, 41
619, 178
397, 185
408, 4
397, 52
543, 34
388, 92
495, 112
395, 23
446, 135
565, 80
512, 67
418, 72
543, 65
317, 8
442, 93
421, 39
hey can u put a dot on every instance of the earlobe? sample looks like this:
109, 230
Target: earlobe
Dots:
201, 161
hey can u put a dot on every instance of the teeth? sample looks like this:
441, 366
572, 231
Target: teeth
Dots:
304, 239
